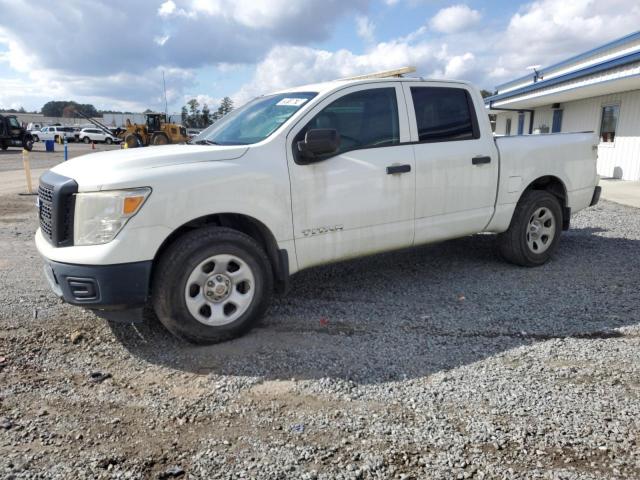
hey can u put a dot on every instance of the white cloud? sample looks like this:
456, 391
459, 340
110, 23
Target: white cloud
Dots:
167, 8
291, 66
455, 19
549, 31
365, 28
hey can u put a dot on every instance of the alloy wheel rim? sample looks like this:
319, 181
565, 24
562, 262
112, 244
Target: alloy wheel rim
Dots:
219, 290
541, 230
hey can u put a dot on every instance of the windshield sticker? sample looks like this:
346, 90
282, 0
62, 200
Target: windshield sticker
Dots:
291, 102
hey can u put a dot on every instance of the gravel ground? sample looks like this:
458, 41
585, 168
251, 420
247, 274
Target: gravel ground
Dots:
437, 362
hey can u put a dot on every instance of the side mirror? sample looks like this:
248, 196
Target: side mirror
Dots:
319, 141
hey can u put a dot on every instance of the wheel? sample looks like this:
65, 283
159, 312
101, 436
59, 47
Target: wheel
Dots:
35, 138
27, 144
211, 285
132, 141
86, 140
56, 138
535, 230
108, 141
160, 139
4, 147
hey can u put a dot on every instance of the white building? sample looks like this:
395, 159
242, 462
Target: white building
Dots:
598, 91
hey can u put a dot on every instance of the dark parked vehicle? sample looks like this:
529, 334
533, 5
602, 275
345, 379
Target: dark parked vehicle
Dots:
13, 135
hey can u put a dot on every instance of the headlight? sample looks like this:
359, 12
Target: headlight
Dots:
99, 216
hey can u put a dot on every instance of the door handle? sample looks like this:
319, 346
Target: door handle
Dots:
480, 160
394, 169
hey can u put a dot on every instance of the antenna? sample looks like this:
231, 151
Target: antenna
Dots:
164, 87
536, 74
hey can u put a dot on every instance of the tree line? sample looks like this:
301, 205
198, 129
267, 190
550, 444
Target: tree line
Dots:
194, 117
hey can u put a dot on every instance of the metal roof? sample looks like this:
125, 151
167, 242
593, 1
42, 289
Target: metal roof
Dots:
599, 67
575, 58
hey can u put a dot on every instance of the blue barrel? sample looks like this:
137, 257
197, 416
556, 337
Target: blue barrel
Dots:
49, 145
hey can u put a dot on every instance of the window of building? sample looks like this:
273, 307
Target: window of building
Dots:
507, 129
520, 123
610, 114
364, 119
556, 126
444, 114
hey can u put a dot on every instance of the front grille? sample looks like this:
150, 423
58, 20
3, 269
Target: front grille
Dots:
56, 207
45, 197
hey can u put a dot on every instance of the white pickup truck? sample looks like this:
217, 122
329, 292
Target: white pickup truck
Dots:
205, 232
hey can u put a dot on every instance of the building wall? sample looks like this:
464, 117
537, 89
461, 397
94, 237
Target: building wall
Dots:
622, 157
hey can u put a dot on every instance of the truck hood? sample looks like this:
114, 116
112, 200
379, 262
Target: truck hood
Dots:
93, 171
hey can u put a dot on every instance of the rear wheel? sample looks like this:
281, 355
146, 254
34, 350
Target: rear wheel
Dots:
160, 139
211, 285
535, 230
35, 138
4, 147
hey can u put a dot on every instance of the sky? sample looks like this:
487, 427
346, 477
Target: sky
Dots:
112, 53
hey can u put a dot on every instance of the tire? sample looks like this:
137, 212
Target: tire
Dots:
56, 138
3, 147
160, 139
35, 138
187, 280
132, 141
86, 140
108, 141
535, 229
27, 144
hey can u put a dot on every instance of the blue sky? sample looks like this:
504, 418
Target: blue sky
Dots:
112, 52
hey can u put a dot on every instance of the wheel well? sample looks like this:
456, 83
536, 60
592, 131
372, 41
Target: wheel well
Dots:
556, 187
247, 225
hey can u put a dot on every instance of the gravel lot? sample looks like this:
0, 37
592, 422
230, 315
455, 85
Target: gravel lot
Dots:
438, 362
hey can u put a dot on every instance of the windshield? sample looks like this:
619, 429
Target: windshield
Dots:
255, 121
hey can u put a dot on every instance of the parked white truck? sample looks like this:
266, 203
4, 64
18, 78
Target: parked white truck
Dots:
205, 232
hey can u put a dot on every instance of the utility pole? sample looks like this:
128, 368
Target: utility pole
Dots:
164, 87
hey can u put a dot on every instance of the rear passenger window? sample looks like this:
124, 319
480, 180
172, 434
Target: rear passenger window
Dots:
364, 119
444, 114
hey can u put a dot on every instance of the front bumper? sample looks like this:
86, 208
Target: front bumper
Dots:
104, 287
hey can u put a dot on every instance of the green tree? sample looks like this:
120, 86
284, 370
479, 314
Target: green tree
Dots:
194, 112
55, 108
225, 107
184, 115
206, 116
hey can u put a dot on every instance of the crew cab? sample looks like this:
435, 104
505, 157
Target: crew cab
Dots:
205, 232
55, 133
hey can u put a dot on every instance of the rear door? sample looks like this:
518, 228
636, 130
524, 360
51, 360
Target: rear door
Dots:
360, 199
456, 161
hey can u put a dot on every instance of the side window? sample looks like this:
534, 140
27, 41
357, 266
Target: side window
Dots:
444, 114
609, 123
364, 119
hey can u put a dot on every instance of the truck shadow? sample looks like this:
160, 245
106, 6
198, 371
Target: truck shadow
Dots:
412, 313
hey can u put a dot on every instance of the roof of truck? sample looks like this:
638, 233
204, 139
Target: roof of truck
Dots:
337, 84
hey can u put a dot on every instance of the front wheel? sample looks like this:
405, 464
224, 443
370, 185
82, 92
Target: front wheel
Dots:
108, 141
27, 144
86, 140
211, 285
535, 230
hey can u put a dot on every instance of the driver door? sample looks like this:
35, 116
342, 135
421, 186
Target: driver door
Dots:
360, 199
